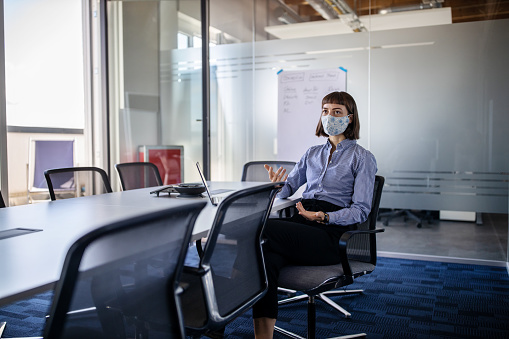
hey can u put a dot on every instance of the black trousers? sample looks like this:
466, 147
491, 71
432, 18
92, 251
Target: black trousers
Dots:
297, 241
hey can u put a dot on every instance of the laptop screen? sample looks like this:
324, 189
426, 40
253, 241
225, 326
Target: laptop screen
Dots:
213, 201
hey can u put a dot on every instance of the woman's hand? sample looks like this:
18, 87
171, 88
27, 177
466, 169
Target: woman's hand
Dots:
312, 216
279, 175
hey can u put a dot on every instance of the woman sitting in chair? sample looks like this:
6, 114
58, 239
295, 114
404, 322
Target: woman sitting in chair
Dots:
340, 177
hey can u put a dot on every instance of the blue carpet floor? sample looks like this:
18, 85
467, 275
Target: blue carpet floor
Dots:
401, 299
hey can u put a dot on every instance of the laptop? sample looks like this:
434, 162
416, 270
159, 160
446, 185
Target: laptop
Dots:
213, 199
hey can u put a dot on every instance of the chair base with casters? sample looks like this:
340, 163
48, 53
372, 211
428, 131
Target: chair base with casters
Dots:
408, 215
311, 309
316, 282
321, 296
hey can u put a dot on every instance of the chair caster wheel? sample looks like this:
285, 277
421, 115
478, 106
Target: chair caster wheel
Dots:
419, 225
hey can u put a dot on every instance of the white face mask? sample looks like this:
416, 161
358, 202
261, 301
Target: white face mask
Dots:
335, 125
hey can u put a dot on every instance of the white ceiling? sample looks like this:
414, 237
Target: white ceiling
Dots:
378, 22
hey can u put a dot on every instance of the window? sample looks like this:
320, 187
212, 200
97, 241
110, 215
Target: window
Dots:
183, 41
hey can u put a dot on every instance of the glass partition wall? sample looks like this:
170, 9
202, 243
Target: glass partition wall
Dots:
430, 85
439, 129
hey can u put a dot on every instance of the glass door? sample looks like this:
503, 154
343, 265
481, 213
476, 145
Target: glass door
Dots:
155, 86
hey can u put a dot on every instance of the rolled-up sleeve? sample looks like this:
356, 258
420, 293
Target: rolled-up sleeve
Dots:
296, 178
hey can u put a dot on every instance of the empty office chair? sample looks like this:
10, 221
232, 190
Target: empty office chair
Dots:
2, 203
95, 266
135, 175
255, 170
73, 182
230, 276
317, 282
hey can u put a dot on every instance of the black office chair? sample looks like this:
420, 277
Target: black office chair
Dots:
230, 276
72, 182
255, 170
95, 266
135, 175
2, 203
317, 282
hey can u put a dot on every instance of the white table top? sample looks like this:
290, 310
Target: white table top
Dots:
32, 263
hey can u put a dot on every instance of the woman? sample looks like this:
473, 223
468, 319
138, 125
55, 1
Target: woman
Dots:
340, 176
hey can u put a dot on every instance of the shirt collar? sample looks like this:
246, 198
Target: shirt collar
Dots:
347, 143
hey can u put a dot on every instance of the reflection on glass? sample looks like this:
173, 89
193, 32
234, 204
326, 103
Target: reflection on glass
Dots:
183, 41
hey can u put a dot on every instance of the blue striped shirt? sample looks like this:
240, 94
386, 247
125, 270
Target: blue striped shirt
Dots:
347, 181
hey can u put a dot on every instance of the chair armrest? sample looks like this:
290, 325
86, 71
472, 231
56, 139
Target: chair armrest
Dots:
288, 211
343, 241
191, 270
343, 245
181, 288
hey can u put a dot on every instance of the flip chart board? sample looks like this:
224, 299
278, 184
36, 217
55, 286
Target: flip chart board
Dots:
300, 95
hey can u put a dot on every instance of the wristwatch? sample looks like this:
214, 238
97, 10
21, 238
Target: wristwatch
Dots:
326, 218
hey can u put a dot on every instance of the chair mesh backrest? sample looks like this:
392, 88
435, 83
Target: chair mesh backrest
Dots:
2, 203
128, 270
255, 170
76, 181
362, 247
138, 175
235, 258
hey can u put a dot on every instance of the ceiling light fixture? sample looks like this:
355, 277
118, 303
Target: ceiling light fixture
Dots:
426, 4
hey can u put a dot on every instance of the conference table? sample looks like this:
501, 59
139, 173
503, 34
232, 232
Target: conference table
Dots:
32, 260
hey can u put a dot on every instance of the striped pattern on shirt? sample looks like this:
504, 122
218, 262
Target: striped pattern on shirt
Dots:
346, 181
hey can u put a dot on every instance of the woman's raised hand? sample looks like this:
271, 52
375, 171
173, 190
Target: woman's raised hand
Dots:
279, 175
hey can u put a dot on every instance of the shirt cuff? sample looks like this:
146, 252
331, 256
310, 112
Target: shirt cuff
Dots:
284, 193
333, 218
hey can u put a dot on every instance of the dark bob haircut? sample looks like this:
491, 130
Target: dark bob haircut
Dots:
342, 98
